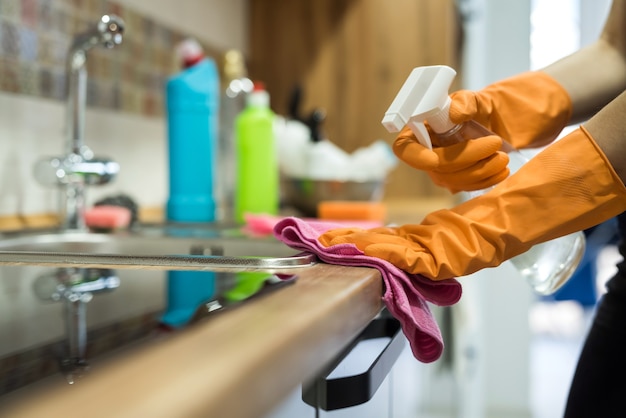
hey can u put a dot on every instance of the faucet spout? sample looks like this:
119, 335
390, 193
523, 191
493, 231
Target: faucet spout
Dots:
108, 33
78, 168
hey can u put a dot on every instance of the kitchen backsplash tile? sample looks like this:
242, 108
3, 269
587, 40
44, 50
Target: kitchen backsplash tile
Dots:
9, 38
35, 36
10, 9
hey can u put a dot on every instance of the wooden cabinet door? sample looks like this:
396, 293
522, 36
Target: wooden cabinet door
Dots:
351, 57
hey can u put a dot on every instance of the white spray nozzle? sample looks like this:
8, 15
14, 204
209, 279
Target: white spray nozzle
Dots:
423, 97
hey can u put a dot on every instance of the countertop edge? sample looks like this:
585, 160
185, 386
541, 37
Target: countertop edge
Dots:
266, 349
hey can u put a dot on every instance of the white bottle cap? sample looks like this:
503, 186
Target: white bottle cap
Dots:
189, 52
258, 97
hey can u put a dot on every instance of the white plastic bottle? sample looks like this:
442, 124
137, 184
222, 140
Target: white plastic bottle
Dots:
424, 97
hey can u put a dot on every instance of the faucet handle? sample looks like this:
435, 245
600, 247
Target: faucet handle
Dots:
74, 169
97, 171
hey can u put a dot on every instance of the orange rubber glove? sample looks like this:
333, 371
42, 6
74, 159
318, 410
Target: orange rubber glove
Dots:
528, 110
469, 165
568, 187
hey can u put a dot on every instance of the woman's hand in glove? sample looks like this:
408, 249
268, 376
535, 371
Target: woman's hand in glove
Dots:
528, 110
570, 186
466, 166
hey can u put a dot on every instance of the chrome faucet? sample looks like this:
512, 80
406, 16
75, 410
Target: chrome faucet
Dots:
75, 287
72, 173
79, 167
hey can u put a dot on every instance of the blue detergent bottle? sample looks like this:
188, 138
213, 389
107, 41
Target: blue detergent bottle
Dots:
192, 109
192, 106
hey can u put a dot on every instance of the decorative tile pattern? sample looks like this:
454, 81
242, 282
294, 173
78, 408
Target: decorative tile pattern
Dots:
11, 9
35, 36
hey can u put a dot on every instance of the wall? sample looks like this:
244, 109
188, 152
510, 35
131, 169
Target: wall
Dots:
32, 126
506, 296
495, 380
220, 23
593, 13
497, 44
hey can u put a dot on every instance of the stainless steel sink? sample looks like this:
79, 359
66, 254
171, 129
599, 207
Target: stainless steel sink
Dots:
155, 248
84, 273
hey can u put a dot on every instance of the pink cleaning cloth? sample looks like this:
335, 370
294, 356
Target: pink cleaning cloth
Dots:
261, 224
405, 295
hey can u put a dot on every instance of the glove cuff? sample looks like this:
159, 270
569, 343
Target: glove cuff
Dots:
532, 109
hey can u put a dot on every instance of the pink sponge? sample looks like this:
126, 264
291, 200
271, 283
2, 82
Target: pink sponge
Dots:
107, 217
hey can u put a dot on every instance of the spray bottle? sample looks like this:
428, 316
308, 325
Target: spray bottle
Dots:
424, 98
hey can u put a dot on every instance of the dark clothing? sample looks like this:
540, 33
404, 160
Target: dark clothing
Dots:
581, 287
599, 386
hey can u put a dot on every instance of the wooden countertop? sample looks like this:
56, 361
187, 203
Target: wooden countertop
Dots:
239, 364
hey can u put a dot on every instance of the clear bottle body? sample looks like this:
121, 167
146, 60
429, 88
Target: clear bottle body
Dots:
546, 266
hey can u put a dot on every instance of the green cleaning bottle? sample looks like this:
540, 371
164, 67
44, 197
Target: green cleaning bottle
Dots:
257, 189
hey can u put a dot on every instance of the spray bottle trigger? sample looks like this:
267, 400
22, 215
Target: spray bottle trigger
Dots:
421, 133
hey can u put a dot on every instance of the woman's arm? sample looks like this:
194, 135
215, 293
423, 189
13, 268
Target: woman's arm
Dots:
608, 128
595, 78
596, 74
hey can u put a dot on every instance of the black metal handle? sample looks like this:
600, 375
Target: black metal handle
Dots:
336, 393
